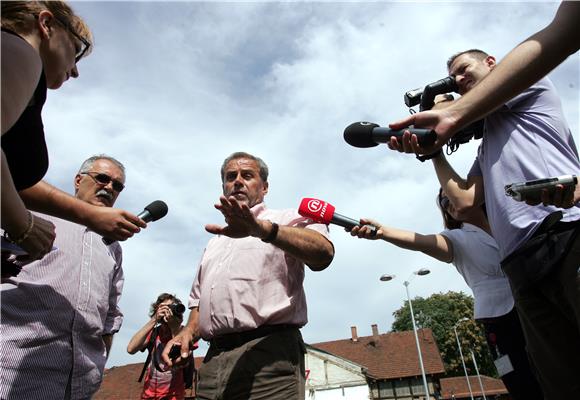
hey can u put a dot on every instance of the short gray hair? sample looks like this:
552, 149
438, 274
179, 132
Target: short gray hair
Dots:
88, 163
241, 154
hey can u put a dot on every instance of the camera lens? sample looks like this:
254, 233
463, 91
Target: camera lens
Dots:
177, 309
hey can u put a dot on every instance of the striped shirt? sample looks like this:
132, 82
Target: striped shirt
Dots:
54, 314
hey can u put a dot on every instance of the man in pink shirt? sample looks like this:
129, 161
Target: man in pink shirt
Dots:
247, 298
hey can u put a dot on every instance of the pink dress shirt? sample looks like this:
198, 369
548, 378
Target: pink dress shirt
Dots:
244, 283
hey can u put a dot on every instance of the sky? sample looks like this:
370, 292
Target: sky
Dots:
173, 88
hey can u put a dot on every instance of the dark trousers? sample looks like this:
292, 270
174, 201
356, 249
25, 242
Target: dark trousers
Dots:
549, 310
504, 336
266, 368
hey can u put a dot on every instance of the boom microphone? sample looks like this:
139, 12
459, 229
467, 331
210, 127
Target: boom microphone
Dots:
323, 212
368, 134
154, 211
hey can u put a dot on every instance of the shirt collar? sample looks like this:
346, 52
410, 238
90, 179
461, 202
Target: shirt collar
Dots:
258, 209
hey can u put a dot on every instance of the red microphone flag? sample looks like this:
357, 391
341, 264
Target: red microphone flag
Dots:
317, 210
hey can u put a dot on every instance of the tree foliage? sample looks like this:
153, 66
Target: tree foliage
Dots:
440, 312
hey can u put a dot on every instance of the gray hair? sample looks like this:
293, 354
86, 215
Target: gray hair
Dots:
241, 154
476, 53
88, 163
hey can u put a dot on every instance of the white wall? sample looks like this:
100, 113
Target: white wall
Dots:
326, 374
347, 393
334, 378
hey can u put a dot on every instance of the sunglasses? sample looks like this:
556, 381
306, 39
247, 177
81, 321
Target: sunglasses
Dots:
104, 179
80, 49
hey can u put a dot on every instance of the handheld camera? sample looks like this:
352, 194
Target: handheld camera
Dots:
425, 98
532, 190
177, 309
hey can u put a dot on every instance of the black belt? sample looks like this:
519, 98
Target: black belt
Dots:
236, 339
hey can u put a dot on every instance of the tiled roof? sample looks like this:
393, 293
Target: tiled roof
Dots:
391, 355
458, 386
120, 383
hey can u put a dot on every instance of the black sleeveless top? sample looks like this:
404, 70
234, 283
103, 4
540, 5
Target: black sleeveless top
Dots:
24, 144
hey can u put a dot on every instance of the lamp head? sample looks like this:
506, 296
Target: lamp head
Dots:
387, 277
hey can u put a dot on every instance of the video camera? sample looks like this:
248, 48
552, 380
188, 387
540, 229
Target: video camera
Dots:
425, 98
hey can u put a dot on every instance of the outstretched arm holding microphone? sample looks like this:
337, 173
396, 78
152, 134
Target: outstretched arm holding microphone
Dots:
434, 245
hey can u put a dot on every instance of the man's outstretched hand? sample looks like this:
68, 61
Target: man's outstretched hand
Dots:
239, 219
442, 121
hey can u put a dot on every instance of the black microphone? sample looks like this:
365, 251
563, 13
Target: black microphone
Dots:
154, 211
368, 134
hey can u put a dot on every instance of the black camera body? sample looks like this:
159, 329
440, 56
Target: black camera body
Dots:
426, 99
177, 309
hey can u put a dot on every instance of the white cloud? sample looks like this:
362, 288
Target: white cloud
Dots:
172, 88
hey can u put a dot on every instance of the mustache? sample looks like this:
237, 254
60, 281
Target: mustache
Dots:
104, 193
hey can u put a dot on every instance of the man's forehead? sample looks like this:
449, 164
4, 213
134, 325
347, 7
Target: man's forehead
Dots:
464, 58
104, 165
241, 163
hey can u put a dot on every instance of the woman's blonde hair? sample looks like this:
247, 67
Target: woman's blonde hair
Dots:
19, 16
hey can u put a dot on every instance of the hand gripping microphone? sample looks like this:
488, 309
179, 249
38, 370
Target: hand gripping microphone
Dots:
368, 134
154, 211
323, 212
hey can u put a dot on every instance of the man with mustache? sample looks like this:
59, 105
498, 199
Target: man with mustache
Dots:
59, 313
247, 298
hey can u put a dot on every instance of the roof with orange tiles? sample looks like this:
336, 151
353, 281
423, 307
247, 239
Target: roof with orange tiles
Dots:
457, 386
390, 355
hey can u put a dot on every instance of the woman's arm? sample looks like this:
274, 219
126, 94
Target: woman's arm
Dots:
139, 340
32, 233
109, 222
436, 246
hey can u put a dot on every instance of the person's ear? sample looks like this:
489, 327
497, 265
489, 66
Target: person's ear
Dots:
265, 189
77, 182
490, 62
45, 24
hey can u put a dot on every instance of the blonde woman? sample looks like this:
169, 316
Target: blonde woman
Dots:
42, 42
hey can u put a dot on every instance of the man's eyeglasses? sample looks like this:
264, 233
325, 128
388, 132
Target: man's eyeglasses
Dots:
104, 179
444, 202
85, 44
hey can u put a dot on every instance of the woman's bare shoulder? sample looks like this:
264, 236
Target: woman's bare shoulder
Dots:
21, 69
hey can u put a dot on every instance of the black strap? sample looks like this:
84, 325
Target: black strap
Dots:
151, 348
425, 157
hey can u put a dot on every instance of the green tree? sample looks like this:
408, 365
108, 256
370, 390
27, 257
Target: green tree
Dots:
440, 312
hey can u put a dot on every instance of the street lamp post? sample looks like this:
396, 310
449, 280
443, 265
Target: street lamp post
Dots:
461, 354
478, 375
421, 272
